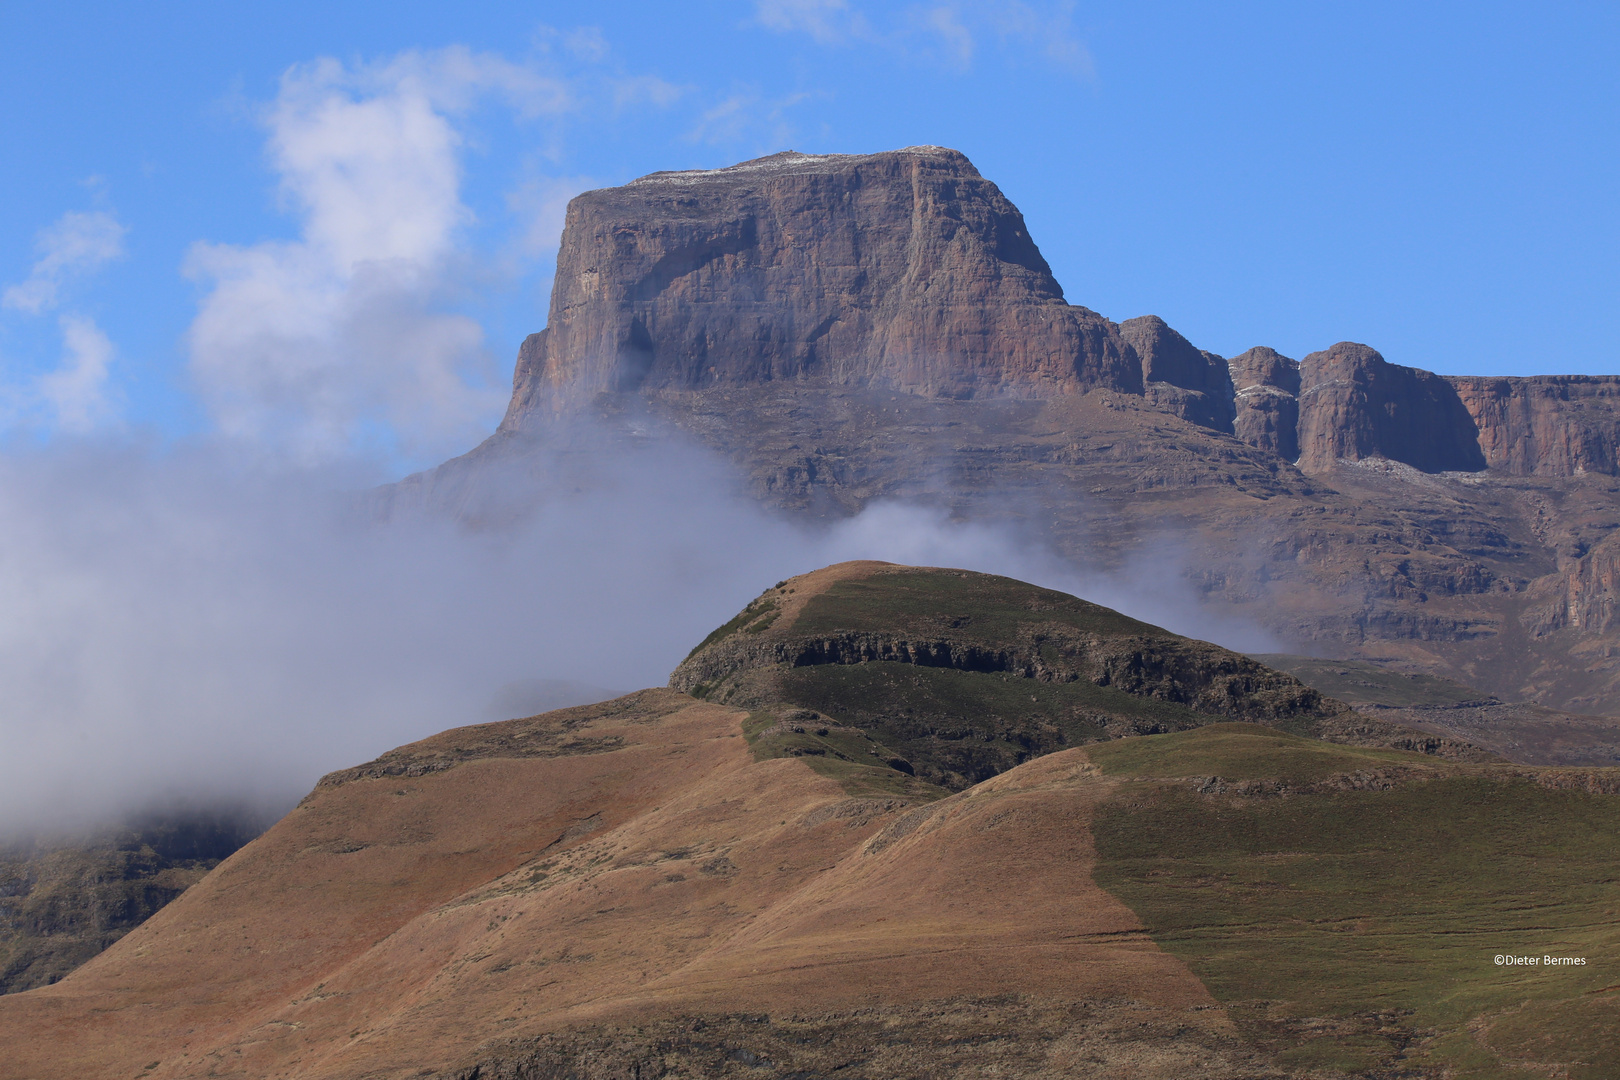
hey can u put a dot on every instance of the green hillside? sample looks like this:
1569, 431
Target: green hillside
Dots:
1349, 904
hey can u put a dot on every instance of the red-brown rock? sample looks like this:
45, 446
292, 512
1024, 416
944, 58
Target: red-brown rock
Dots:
1354, 404
1547, 425
1266, 401
1179, 377
904, 270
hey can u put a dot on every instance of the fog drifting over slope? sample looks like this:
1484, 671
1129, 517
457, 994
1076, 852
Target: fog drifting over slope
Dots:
182, 627
224, 622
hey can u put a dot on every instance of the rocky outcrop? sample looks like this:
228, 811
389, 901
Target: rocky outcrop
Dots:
908, 271
1585, 595
904, 270
1266, 401
1353, 404
1547, 425
1179, 377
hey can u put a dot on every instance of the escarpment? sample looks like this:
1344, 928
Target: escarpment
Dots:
1545, 425
909, 271
1354, 404
906, 270
849, 330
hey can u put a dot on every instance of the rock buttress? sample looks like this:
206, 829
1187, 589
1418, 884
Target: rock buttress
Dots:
905, 270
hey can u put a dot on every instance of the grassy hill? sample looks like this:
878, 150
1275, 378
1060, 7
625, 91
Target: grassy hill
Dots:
1348, 905
915, 823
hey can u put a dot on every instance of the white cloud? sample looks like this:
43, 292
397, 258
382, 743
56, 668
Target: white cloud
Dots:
76, 393
79, 242
340, 339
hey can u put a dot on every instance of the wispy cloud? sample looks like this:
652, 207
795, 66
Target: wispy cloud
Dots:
827, 21
748, 116
76, 393
73, 397
76, 244
944, 23
953, 33
540, 205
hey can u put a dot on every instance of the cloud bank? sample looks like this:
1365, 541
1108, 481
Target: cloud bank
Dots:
190, 628
222, 621
346, 338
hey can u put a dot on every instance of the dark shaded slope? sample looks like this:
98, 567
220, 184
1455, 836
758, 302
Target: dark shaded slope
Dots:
63, 900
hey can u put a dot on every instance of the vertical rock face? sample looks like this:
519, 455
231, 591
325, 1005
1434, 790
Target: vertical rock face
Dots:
1179, 377
909, 271
1548, 425
905, 270
1585, 595
1266, 401
1353, 404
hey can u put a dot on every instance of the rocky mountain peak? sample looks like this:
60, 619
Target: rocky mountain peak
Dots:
907, 271
1354, 404
904, 270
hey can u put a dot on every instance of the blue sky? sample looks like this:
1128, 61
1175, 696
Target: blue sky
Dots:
325, 228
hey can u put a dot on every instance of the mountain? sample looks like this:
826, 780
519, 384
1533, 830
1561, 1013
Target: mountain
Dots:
851, 328
748, 886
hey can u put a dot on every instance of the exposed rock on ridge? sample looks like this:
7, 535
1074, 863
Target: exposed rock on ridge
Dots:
909, 271
1354, 404
1178, 377
1266, 401
1547, 425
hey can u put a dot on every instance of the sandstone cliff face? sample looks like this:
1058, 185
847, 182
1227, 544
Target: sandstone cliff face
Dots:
909, 271
1266, 401
1548, 425
905, 270
1584, 596
1353, 404
1179, 377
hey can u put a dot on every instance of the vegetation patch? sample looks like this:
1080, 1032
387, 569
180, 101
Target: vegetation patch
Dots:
756, 618
1358, 928
864, 766
957, 728
972, 606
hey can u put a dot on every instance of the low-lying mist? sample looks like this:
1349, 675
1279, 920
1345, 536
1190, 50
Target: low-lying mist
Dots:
183, 629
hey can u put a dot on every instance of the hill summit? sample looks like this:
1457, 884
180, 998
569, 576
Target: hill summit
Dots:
853, 328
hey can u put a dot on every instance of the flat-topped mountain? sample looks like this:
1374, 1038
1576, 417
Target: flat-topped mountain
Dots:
909, 271
810, 876
905, 270
853, 328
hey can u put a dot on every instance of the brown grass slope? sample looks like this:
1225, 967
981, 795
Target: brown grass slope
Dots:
506, 899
